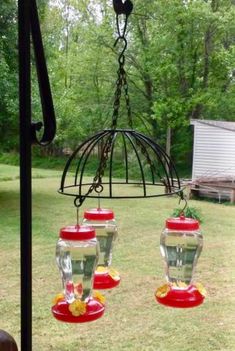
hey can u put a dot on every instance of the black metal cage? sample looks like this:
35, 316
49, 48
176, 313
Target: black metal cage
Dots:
134, 167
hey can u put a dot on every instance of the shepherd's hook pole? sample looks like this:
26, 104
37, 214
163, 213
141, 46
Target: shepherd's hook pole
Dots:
29, 24
25, 174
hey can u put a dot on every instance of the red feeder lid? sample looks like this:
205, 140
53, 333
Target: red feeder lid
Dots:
182, 223
99, 214
77, 232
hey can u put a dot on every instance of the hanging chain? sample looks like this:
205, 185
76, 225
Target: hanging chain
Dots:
121, 83
183, 197
128, 106
97, 180
126, 9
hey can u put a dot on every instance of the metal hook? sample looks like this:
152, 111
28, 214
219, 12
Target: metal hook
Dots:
78, 201
121, 34
78, 216
184, 198
99, 187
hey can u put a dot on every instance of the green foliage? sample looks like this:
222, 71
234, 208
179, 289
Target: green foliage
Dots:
10, 158
180, 64
189, 212
8, 75
191, 67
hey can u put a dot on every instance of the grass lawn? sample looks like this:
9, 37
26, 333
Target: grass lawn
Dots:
11, 173
133, 320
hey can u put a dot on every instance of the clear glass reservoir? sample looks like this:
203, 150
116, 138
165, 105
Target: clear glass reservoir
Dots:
181, 245
77, 254
104, 223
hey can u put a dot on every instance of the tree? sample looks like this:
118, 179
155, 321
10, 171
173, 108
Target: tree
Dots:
8, 74
180, 64
184, 55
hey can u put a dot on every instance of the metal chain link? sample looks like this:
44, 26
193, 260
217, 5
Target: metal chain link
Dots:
97, 180
128, 105
121, 83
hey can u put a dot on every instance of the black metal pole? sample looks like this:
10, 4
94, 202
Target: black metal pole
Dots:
25, 174
29, 23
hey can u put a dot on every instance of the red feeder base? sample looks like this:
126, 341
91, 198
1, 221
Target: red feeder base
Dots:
105, 280
94, 310
182, 298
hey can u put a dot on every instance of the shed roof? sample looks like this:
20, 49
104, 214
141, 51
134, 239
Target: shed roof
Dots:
219, 124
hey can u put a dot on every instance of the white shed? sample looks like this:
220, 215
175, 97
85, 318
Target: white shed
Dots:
214, 149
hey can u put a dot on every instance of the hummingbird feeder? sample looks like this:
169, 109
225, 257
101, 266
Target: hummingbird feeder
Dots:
103, 221
181, 245
77, 254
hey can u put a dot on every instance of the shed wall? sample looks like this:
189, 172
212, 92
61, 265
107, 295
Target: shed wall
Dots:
214, 151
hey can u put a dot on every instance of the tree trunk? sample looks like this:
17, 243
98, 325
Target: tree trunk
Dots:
168, 141
208, 40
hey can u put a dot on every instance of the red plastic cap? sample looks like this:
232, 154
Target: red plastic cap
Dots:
77, 232
182, 223
99, 214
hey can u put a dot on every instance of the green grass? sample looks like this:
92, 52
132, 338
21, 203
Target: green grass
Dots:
8, 172
133, 321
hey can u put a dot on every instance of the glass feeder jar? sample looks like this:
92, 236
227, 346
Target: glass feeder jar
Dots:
181, 245
104, 223
77, 254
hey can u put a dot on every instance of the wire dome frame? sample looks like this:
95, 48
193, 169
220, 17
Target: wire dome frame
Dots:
134, 167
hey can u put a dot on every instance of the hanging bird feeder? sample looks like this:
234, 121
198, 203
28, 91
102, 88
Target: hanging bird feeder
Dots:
126, 164
103, 221
181, 245
77, 254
